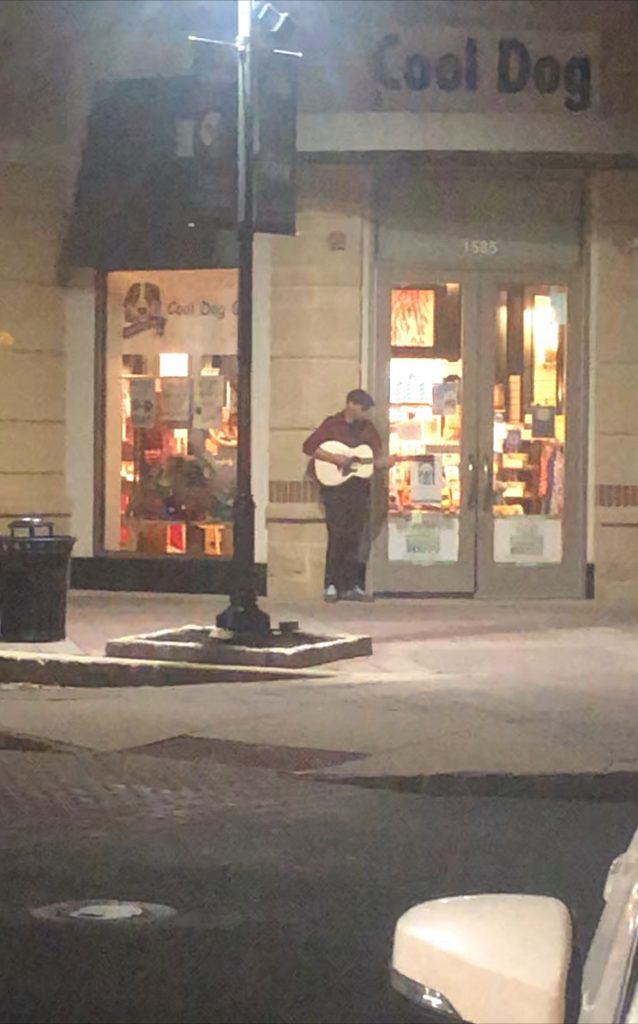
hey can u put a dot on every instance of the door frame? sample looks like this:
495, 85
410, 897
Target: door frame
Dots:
484, 578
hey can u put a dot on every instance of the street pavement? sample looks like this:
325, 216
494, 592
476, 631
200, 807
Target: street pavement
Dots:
286, 889
251, 809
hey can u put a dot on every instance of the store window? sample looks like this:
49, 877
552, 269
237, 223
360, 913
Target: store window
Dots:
171, 423
426, 373
529, 425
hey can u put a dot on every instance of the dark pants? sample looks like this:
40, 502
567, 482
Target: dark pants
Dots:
347, 512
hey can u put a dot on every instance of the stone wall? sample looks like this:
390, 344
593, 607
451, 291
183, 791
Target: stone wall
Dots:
32, 314
614, 381
32, 387
316, 350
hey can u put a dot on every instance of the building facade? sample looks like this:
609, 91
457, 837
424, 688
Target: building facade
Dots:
466, 249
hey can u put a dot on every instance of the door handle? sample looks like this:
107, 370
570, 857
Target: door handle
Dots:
488, 488
472, 494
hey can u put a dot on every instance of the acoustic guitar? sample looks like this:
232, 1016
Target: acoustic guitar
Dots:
360, 463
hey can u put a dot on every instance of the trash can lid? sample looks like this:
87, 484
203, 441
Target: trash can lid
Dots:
34, 525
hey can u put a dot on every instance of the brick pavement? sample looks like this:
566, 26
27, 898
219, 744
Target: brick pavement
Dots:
53, 794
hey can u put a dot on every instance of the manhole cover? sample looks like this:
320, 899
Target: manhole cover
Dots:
104, 911
107, 911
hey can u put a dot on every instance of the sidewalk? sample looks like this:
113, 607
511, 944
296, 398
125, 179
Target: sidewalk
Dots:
452, 686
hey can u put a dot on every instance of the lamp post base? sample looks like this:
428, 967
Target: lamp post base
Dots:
244, 616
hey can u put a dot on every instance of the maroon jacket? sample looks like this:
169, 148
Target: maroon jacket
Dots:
337, 428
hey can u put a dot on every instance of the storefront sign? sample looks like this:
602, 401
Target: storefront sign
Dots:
203, 308
142, 309
193, 311
514, 70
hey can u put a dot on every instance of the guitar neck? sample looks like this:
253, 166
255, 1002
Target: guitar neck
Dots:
399, 458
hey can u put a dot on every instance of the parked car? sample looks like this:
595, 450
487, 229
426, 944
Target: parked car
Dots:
505, 959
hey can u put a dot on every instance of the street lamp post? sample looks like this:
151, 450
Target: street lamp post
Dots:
243, 614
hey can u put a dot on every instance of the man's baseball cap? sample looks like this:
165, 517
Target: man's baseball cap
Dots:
360, 397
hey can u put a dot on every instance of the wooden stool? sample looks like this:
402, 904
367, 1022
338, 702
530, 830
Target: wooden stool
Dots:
213, 538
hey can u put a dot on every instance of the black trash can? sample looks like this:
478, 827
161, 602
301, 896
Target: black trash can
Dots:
34, 580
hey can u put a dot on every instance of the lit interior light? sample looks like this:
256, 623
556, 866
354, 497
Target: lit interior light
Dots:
545, 329
173, 364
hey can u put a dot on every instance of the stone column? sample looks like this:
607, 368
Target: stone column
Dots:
315, 360
614, 381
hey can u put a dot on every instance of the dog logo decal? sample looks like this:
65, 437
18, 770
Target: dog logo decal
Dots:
143, 310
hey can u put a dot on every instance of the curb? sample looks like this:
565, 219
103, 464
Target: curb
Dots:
201, 645
596, 787
85, 671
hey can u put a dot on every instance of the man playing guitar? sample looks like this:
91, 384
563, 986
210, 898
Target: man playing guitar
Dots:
347, 506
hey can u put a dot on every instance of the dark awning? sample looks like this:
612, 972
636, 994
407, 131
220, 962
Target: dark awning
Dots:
158, 177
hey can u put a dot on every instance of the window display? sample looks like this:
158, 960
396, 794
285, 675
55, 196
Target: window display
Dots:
529, 425
171, 424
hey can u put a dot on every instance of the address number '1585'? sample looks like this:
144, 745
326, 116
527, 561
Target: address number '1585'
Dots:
480, 246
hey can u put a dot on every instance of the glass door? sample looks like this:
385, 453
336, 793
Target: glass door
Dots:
531, 501
425, 508
479, 380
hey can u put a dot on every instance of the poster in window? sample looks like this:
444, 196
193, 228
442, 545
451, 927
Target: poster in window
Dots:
423, 539
208, 402
558, 299
427, 479
543, 420
412, 318
143, 402
529, 540
176, 401
445, 398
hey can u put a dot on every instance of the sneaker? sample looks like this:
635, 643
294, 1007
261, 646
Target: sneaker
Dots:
330, 594
357, 594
